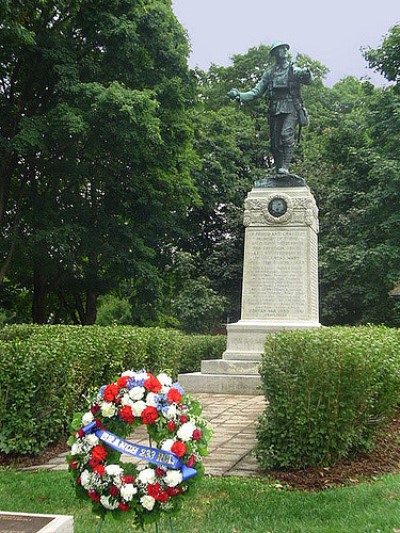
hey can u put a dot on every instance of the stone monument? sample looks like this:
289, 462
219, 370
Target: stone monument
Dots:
280, 284
280, 269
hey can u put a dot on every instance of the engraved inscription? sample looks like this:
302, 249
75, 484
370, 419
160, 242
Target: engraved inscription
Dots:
280, 274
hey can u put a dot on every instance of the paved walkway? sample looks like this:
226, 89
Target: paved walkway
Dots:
233, 420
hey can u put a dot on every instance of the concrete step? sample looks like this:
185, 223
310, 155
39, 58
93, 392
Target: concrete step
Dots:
221, 383
242, 355
232, 366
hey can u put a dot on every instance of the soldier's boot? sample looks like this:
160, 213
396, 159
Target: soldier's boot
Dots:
278, 161
286, 159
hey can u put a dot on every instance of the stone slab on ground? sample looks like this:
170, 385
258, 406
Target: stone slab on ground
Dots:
35, 523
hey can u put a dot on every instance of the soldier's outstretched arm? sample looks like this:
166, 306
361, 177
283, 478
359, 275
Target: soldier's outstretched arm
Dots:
258, 90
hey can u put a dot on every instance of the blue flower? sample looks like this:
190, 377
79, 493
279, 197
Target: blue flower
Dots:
161, 400
177, 386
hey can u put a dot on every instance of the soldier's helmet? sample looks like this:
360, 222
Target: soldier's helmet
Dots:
278, 44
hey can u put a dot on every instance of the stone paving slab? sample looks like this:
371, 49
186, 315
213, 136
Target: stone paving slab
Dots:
233, 419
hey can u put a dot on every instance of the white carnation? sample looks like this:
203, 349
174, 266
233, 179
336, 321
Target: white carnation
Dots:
185, 432
128, 491
114, 470
167, 445
139, 376
136, 393
171, 411
126, 400
87, 480
152, 399
108, 504
76, 448
147, 476
129, 373
89, 441
108, 409
164, 379
138, 408
173, 478
147, 502
87, 418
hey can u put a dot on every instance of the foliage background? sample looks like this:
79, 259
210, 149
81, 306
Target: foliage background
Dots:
123, 173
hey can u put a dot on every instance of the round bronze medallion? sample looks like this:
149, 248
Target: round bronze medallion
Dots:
277, 207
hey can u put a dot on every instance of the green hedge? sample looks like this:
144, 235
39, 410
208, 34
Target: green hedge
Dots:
47, 372
329, 391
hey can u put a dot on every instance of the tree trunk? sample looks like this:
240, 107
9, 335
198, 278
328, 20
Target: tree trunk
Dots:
91, 308
87, 314
40, 290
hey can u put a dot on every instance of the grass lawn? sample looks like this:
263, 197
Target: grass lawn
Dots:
228, 505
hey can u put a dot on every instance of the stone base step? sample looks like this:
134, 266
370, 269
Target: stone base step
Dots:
221, 383
232, 366
244, 356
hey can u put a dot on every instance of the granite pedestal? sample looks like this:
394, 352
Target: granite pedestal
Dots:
280, 285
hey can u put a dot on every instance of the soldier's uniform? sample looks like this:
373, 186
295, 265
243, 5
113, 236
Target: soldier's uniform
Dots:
285, 106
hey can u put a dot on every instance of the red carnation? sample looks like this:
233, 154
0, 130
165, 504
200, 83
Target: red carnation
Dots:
174, 396
73, 464
197, 434
99, 423
163, 497
171, 425
123, 506
99, 469
114, 491
93, 462
172, 491
95, 409
191, 460
79, 481
94, 495
154, 490
160, 472
123, 382
183, 419
128, 479
152, 384
80, 433
178, 448
149, 415
126, 414
110, 392
99, 453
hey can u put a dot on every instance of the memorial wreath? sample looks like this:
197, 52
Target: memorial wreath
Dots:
173, 422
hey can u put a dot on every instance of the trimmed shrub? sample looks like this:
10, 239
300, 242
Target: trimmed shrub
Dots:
329, 392
49, 372
198, 347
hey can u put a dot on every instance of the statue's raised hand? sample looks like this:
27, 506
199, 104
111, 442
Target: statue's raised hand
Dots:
234, 94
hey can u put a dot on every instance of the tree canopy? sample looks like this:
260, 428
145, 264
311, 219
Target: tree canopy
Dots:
95, 147
123, 173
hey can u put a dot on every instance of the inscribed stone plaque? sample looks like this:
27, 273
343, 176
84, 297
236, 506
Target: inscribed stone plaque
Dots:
35, 523
277, 271
23, 523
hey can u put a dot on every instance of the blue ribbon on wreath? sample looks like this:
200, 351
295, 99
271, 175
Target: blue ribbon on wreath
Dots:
146, 453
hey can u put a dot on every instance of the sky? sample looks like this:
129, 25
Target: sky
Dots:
331, 32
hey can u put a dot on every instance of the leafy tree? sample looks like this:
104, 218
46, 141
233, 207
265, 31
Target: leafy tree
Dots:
386, 58
113, 310
95, 147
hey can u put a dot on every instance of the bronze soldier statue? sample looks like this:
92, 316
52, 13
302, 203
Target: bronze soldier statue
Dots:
286, 110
